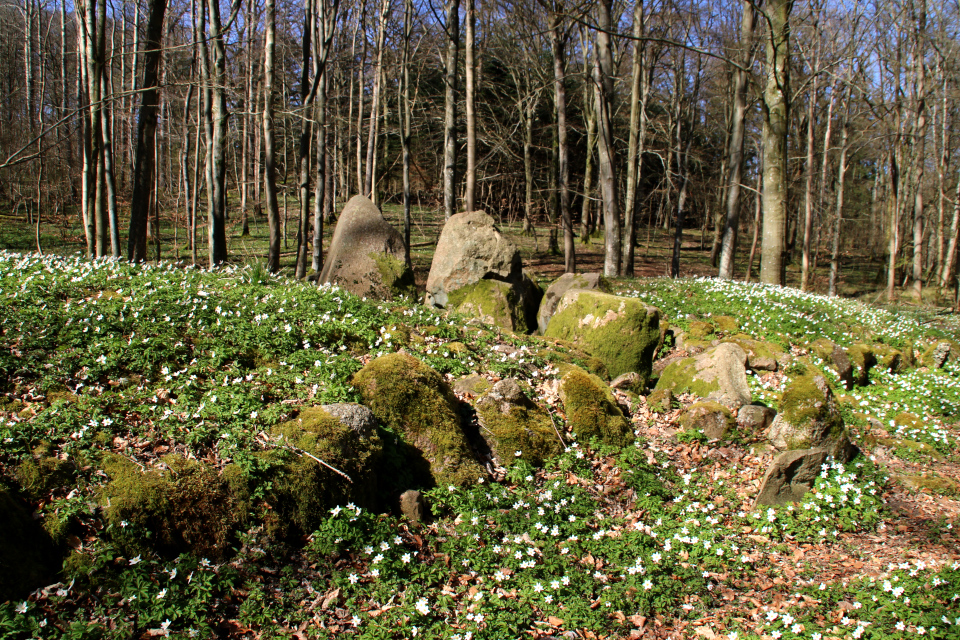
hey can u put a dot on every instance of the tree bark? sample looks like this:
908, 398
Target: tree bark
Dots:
728, 246
776, 111
143, 170
450, 109
470, 73
563, 153
604, 100
269, 144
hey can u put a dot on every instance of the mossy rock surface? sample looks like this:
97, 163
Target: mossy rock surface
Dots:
559, 287
718, 374
592, 411
41, 474
699, 330
761, 356
415, 402
809, 418
660, 400
888, 358
512, 423
28, 557
493, 302
862, 358
931, 483
304, 490
186, 507
714, 420
622, 332
726, 324
938, 353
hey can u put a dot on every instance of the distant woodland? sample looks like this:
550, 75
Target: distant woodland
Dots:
797, 131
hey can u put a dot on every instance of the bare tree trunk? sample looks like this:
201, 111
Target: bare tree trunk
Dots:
307, 93
728, 247
604, 98
758, 208
328, 20
217, 230
373, 130
269, 144
470, 72
407, 116
586, 225
563, 153
919, 157
776, 110
450, 109
838, 221
950, 261
143, 169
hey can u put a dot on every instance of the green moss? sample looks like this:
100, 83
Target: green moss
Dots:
823, 348
40, 475
660, 400
303, 489
862, 358
413, 401
809, 409
592, 411
698, 330
932, 483
395, 276
758, 352
493, 302
680, 376
186, 507
623, 332
726, 324
712, 419
527, 429
28, 558
888, 358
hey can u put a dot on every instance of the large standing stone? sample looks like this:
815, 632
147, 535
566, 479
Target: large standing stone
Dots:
415, 402
366, 255
810, 419
471, 249
623, 333
790, 476
515, 427
566, 282
719, 374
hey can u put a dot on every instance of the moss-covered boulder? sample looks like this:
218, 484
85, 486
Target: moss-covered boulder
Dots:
712, 419
28, 558
835, 356
862, 359
622, 332
660, 400
40, 474
343, 436
507, 305
719, 374
514, 427
810, 419
761, 356
727, 324
367, 255
560, 286
888, 358
416, 403
591, 409
937, 354
700, 330
178, 507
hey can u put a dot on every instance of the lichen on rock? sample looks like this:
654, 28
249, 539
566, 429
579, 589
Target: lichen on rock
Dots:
809, 418
718, 374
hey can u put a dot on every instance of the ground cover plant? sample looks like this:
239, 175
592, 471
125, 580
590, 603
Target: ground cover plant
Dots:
132, 391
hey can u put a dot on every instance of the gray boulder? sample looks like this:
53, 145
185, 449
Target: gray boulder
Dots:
790, 476
566, 282
810, 419
719, 374
366, 255
356, 416
754, 419
471, 256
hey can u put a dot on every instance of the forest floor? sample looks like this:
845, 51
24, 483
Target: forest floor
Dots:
862, 275
658, 540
